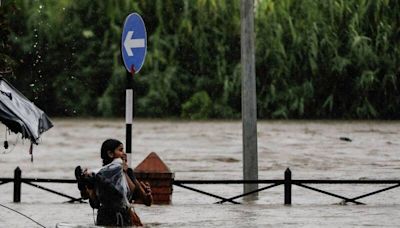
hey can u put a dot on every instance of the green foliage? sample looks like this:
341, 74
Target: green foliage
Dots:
314, 59
327, 59
198, 106
6, 62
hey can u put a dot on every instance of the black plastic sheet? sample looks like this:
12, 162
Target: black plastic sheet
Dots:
20, 115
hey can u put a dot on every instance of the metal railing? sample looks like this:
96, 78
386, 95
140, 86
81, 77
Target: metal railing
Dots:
18, 180
288, 182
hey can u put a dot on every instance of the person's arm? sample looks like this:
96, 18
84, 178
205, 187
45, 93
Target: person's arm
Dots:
144, 192
93, 200
141, 190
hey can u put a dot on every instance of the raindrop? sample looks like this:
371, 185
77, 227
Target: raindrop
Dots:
32, 85
40, 6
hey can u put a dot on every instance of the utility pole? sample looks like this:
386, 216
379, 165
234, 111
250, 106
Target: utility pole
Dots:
249, 104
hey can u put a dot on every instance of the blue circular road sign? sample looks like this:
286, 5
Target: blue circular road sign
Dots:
134, 42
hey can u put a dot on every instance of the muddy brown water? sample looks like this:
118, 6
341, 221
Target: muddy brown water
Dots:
213, 150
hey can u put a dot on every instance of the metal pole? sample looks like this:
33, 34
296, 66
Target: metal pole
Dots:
249, 105
17, 185
288, 187
129, 113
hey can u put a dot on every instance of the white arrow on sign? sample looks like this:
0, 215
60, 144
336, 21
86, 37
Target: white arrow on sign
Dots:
130, 43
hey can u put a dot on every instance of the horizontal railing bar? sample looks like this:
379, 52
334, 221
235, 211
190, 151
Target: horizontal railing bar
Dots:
305, 181
346, 181
7, 179
67, 181
271, 181
228, 181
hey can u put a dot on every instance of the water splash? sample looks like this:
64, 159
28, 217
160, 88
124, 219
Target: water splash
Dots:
36, 86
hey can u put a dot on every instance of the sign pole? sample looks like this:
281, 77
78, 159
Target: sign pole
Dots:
129, 113
249, 104
133, 52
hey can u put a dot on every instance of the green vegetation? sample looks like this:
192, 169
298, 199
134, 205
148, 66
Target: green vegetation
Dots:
314, 59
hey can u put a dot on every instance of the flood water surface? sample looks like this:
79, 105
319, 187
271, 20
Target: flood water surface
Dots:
213, 151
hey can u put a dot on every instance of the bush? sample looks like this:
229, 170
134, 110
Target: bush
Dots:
199, 106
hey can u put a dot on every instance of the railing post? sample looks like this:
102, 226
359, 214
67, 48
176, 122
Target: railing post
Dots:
288, 187
17, 185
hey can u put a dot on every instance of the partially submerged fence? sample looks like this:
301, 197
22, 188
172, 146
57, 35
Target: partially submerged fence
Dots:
288, 182
18, 180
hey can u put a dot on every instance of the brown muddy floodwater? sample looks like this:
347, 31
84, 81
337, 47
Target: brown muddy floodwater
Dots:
213, 150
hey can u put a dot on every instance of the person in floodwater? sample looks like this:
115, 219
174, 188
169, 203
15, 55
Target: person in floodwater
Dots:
112, 189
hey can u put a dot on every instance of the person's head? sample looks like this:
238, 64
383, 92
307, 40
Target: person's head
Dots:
111, 149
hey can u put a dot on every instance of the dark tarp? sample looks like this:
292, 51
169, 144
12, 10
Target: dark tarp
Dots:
20, 115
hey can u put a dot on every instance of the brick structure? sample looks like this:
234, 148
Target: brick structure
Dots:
154, 171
